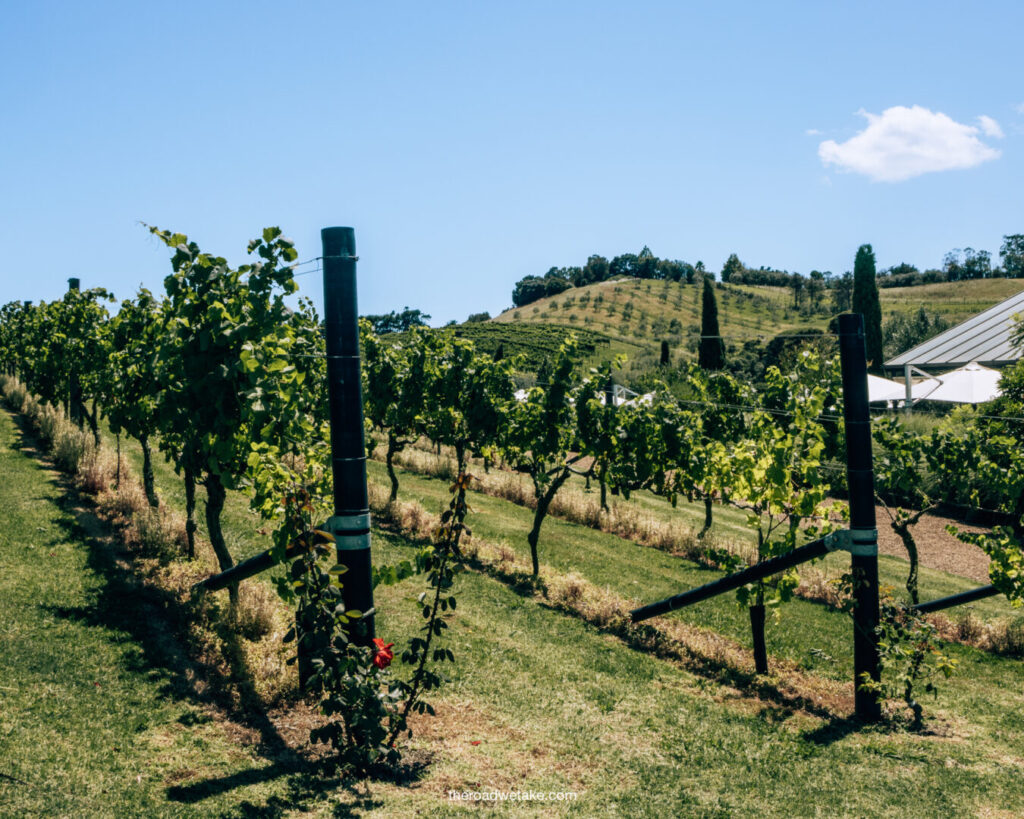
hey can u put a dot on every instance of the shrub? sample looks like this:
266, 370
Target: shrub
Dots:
70, 446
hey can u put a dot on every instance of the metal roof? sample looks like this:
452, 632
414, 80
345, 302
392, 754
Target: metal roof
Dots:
984, 338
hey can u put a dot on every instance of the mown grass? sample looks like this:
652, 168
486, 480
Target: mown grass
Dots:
538, 700
97, 714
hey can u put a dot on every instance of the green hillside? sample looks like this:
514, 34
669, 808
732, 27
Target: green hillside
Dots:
637, 314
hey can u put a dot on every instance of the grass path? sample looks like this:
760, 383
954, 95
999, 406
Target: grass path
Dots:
98, 714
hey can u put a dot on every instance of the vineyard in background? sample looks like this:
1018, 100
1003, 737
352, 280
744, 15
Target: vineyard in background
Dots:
636, 315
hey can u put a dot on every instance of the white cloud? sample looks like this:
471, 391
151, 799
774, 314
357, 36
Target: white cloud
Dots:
901, 143
1019, 108
812, 132
990, 127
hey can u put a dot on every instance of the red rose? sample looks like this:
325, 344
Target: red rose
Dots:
383, 655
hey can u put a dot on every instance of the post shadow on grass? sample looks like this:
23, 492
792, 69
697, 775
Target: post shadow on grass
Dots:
834, 730
304, 784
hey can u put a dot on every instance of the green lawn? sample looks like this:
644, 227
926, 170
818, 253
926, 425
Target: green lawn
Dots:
538, 700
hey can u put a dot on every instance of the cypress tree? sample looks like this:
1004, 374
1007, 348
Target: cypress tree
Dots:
664, 353
865, 302
712, 348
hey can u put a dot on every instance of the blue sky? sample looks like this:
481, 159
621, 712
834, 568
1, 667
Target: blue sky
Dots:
470, 144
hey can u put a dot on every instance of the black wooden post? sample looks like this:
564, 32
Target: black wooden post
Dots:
861, 481
76, 407
350, 523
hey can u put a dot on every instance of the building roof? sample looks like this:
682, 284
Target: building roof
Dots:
985, 338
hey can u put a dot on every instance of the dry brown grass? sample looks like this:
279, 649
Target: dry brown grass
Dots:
999, 637
125, 501
257, 610
148, 532
816, 584
14, 392
97, 470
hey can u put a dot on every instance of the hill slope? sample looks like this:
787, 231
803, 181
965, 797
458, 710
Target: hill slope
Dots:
637, 314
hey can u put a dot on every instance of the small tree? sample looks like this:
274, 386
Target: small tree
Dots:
394, 390
596, 421
1011, 253
70, 352
775, 476
911, 658
644, 435
714, 421
131, 392
842, 292
732, 266
467, 397
996, 446
231, 362
900, 476
542, 436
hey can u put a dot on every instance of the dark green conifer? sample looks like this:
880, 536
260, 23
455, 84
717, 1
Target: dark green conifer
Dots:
712, 348
866, 302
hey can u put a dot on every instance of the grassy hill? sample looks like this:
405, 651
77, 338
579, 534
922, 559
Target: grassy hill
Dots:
636, 315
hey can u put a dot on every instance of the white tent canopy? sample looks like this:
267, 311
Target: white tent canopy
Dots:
970, 384
882, 389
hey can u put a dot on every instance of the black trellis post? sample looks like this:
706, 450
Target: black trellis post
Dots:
75, 406
350, 523
861, 482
